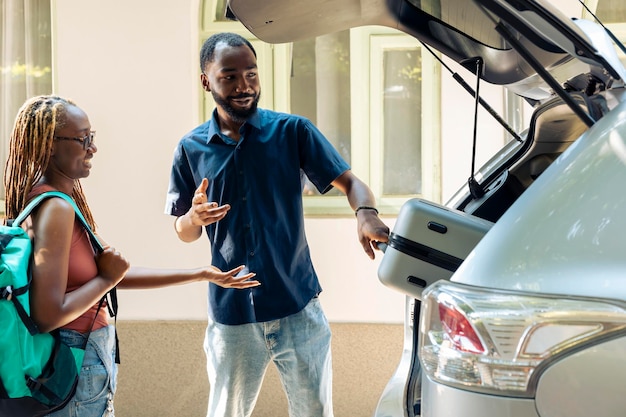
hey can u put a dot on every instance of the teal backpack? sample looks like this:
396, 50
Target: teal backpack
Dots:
38, 373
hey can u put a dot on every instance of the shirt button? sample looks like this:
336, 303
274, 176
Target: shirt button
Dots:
244, 198
251, 253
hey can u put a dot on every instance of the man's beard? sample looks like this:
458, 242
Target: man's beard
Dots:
238, 116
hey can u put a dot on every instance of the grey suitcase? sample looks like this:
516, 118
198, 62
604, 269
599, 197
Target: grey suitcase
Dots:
428, 243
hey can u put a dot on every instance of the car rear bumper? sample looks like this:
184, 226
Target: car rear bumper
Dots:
442, 401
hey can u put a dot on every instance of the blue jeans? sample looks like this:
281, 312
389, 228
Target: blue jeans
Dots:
299, 346
98, 376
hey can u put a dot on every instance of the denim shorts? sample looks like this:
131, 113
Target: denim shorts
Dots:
98, 376
299, 347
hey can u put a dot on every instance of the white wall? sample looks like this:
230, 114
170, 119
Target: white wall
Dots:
132, 65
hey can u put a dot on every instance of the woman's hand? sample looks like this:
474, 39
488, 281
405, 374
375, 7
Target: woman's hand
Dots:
228, 279
112, 266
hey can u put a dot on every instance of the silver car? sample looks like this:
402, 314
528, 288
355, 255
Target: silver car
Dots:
533, 321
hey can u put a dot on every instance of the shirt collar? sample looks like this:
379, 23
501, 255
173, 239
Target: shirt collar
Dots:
214, 133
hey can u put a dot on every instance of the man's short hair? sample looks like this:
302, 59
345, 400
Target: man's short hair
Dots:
207, 53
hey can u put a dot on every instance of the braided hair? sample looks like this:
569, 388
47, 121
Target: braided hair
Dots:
30, 148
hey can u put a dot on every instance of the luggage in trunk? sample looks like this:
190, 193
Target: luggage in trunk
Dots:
428, 243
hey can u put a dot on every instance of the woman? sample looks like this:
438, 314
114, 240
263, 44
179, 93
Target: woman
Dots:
51, 148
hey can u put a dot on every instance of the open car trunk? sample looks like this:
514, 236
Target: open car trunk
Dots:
566, 69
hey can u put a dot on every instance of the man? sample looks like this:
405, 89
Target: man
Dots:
239, 176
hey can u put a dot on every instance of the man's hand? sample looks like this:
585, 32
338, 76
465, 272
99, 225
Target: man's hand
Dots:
203, 213
370, 228
371, 231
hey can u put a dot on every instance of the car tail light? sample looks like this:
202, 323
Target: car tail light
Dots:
496, 341
458, 330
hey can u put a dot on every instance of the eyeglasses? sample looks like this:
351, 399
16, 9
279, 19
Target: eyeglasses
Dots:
86, 140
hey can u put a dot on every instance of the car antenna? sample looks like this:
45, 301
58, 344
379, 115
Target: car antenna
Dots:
469, 89
619, 44
475, 188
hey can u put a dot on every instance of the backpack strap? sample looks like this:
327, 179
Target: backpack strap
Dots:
92, 237
37, 200
9, 293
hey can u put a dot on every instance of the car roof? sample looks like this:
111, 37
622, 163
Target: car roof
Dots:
460, 29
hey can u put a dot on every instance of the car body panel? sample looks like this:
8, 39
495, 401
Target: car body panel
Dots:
448, 401
393, 398
578, 384
563, 236
545, 230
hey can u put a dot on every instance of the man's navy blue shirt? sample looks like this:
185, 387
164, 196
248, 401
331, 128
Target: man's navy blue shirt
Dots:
260, 177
